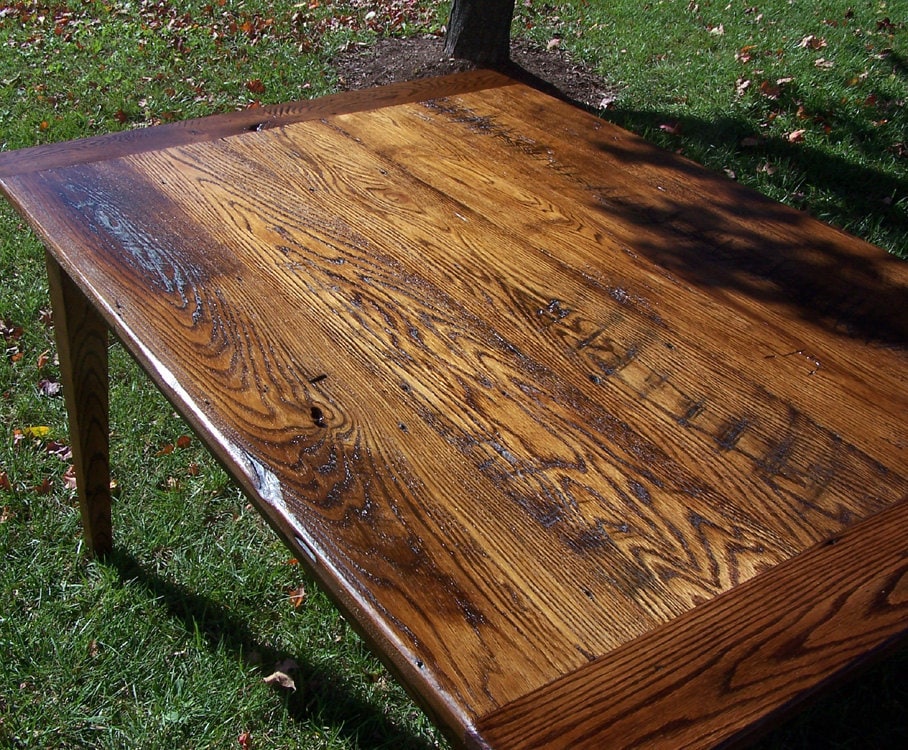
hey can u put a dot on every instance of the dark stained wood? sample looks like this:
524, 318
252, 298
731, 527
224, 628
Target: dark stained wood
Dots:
523, 391
82, 349
722, 667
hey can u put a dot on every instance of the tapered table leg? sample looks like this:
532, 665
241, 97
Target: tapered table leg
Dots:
82, 347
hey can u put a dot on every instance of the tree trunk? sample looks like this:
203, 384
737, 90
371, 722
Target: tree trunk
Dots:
480, 31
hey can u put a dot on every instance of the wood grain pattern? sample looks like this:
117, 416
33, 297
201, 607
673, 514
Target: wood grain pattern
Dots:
714, 674
520, 389
197, 130
81, 335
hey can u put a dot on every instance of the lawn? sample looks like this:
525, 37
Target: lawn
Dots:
168, 642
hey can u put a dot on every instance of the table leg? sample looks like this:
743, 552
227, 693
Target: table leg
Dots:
82, 347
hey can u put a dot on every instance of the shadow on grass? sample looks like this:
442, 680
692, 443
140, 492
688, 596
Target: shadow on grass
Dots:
837, 190
325, 697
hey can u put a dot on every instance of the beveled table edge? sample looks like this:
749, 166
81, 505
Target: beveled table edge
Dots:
211, 127
841, 603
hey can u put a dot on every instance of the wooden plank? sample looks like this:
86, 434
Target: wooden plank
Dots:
82, 348
717, 672
123, 143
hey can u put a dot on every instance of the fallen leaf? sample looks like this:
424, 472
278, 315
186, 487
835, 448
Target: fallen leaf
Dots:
69, 477
5, 485
767, 168
184, 441
46, 316
823, 63
297, 596
44, 487
165, 450
812, 42
43, 358
744, 54
770, 90
672, 128
59, 449
256, 86
38, 431
796, 136
49, 388
10, 332
741, 85
553, 44
717, 30
245, 740
5, 513
281, 679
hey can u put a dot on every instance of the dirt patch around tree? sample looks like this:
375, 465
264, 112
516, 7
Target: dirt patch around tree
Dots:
391, 60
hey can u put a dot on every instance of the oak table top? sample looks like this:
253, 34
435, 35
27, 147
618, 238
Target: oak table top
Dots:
595, 447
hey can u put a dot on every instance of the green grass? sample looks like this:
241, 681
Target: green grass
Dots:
167, 642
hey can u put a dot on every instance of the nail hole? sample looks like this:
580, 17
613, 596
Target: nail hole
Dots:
318, 416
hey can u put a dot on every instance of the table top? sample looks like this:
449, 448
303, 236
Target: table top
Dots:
588, 441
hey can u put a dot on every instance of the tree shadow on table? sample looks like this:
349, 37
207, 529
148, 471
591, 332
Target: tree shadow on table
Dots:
847, 192
325, 697
864, 296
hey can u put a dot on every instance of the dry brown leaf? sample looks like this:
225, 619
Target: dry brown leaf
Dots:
69, 477
812, 42
281, 679
297, 596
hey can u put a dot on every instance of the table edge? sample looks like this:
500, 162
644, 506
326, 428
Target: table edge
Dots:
634, 678
211, 127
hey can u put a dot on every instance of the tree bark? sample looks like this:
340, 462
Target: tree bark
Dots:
480, 31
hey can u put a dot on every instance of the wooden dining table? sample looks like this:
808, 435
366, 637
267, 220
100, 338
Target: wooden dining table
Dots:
595, 447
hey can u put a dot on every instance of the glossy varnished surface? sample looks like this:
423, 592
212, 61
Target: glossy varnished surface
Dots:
520, 388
